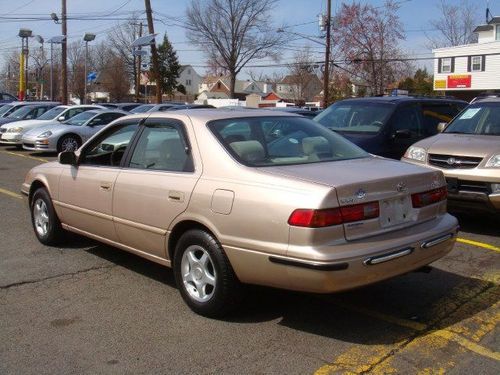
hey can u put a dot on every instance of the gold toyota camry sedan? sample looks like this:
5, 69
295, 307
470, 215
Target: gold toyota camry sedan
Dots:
244, 197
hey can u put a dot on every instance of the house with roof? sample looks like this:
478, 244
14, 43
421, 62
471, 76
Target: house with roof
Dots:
299, 88
469, 70
190, 79
219, 88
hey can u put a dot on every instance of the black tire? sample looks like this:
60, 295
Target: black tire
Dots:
65, 141
53, 233
226, 293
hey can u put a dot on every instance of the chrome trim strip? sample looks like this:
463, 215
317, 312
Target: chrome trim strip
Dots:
387, 257
436, 241
83, 210
310, 265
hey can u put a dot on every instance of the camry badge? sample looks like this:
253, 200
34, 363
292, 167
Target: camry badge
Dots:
401, 187
360, 194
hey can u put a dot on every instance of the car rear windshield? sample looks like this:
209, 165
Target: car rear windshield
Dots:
478, 118
52, 113
279, 140
360, 117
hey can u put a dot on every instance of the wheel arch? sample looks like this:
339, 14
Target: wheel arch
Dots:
35, 185
179, 229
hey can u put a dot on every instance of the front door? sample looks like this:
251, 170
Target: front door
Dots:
155, 186
86, 191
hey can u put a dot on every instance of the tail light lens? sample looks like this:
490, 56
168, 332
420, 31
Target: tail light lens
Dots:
426, 198
333, 216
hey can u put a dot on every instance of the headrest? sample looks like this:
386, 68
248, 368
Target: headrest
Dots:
312, 145
249, 150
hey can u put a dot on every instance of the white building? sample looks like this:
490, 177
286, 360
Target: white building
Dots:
469, 70
190, 79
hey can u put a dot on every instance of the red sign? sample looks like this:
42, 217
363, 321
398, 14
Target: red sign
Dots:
459, 81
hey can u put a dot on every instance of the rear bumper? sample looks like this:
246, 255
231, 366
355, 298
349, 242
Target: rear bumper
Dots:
377, 258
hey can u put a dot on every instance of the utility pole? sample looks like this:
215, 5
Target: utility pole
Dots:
326, 74
154, 53
64, 71
138, 78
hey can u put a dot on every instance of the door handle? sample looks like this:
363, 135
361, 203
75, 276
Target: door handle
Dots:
106, 186
175, 195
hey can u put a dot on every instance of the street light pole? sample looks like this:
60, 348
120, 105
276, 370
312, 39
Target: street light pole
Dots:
88, 37
23, 63
64, 71
40, 40
326, 77
54, 40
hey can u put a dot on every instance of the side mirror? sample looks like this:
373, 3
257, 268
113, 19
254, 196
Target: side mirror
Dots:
61, 118
441, 126
402, 134
67, 157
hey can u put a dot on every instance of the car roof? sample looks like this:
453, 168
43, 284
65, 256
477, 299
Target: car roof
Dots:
487, 99
401, 99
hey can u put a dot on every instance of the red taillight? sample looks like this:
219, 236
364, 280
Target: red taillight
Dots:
426, 198
333, 216
360, 212
315, 218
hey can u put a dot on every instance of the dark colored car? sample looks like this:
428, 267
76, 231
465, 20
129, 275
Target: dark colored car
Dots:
6, 98
127, 107
387, 126
298, 111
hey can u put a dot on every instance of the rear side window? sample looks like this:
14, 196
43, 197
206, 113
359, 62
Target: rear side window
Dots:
434, 113
407, 117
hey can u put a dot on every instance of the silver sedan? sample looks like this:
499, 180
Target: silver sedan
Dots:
71, 134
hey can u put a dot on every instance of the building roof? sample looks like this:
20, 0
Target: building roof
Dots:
483, 28
494, 20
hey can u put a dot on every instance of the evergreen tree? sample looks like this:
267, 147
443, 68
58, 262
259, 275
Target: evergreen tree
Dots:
170, 69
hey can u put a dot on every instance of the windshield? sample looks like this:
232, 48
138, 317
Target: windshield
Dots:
478, 118
5, 109
361, 117
142, 108
52, 114
21, 113
79, 119
273, 140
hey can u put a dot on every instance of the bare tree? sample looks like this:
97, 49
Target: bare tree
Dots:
455, 24
368, 37
112, 78
301, 75
120, 41
232, 32
76, 69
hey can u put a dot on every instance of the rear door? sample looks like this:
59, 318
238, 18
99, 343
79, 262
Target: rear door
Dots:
406, 129
155, 186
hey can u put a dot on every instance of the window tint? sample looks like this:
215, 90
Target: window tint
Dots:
163, 148
109, 149
268, 141
361, 117
434, 113
407, 118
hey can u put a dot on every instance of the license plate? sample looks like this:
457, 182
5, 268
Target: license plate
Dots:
395, 211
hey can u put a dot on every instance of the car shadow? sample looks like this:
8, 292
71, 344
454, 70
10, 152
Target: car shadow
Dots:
430, 299
478, 223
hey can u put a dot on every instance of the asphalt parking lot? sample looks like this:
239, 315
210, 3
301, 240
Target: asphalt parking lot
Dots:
90, 308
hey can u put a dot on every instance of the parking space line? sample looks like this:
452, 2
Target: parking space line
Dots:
24, 156
11, 193
423, 337
478, 244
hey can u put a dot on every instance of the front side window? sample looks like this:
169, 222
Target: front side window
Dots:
359, 117
407, 118
476, 63
277, 140
162, 147
434, 113
497, 32
480, 118
108, 150
446, 65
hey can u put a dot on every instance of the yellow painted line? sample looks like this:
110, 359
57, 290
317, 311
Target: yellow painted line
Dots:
11, 193
24, 156
478, 244
467, 344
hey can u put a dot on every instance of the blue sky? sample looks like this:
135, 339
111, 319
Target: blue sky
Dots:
414, 15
